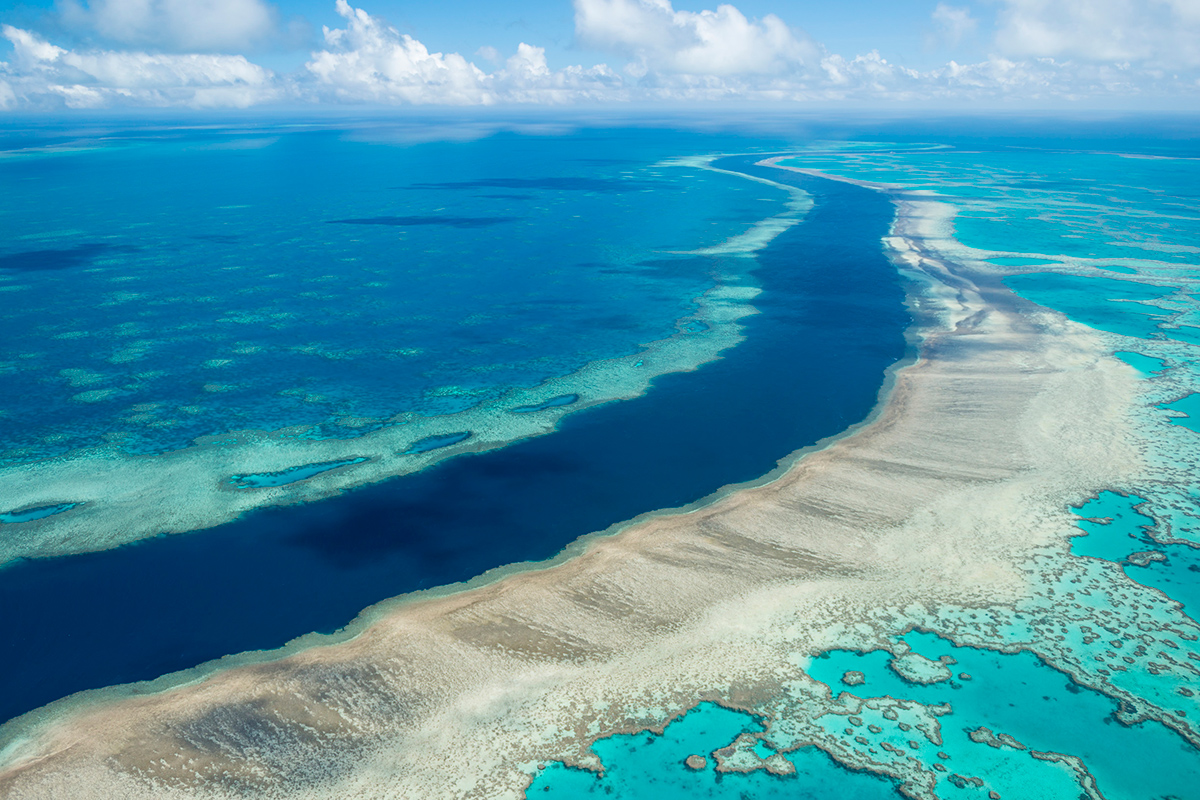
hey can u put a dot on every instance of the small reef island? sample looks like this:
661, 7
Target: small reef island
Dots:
644, 459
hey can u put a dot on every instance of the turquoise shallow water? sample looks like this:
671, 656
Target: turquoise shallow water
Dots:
1040, 707
1116, 530
649, 767
1113, 527
1113, 242
1107, 304
1011, 695
1146, 365
1018, 261
394, 278
1052, 198
1190, 406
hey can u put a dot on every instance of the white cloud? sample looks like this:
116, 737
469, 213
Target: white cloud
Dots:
1156, 32
367, 61
720, 55
662, 56
8, 98
526, 78
177, 25
43, 73
489, 53
953, 23
663, 40
529, 63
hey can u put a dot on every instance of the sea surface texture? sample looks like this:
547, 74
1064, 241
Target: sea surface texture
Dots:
258, 381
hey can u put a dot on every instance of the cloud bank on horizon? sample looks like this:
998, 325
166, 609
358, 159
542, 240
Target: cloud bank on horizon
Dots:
186, 53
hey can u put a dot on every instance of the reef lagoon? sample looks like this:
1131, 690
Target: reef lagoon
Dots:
630, 460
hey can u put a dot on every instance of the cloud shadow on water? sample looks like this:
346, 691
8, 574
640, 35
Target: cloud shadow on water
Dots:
404, 222
605, 185
44, 260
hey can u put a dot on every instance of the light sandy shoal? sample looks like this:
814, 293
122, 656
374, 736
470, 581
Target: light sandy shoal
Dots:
1009, 414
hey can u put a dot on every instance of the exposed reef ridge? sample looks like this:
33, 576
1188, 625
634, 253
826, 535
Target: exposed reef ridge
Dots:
948, 512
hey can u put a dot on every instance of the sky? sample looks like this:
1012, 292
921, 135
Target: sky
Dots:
229, 54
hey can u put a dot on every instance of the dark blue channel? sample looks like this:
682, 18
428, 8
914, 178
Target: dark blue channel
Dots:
832, 320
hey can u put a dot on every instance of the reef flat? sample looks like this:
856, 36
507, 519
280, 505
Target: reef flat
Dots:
949, 513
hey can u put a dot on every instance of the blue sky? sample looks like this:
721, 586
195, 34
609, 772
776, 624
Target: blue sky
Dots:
242, 53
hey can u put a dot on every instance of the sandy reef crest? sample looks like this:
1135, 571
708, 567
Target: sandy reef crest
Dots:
951, 505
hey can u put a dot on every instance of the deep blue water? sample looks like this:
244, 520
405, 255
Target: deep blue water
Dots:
832, 321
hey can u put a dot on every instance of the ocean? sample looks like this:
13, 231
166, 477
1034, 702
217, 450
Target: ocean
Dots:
829, 322
324, 366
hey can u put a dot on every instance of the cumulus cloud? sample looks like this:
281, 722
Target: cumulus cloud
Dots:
176, 25
369, 61
721, 43
43, 74
663, 56
1157, 32
1048, 49
526, 78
